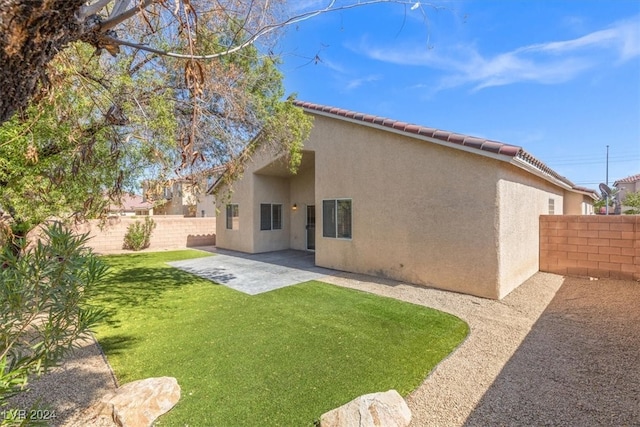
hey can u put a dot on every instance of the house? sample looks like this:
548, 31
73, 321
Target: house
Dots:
392, 199
188, 196
630, 184
130, 205
173, 197
206, 204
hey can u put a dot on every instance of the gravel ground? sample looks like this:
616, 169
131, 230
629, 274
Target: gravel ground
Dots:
68, 390
555, 352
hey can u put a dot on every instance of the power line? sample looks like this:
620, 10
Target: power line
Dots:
593, 162
592, 156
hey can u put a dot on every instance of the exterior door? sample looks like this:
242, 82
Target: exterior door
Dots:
311, 227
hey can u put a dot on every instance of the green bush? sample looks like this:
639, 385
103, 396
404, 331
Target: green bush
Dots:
139, 235
43, 309
632, 201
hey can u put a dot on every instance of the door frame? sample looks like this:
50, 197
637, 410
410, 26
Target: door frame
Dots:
306, 227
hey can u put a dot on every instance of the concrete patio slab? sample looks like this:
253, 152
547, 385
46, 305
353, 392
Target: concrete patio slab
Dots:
255, 273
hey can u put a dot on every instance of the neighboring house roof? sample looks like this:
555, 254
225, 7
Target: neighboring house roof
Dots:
628, 180
131, 202
515, 154
587, 191
215, 172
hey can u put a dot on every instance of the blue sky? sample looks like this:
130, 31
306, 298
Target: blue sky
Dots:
559, 78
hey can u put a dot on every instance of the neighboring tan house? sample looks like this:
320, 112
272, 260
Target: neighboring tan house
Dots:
392, 199
206, 206
130, 205
630, 184
174, 197
189, 196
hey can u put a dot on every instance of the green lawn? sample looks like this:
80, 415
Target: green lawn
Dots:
281, 358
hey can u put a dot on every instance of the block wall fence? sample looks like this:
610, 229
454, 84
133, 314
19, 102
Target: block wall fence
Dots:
171, 232
591, 245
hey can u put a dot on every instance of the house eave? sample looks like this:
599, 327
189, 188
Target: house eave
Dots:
447, 144
522, 164
511, 158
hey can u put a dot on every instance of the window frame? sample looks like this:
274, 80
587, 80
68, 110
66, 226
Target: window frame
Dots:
336, 219
551, 207
232, 208
273, 224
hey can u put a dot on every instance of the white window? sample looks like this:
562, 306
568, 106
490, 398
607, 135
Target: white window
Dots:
552, 206
270, 216
336, 218
233, 216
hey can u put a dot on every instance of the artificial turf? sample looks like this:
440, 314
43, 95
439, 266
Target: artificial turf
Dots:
281, 358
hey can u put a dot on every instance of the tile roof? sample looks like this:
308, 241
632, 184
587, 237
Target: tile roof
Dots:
453, 139
628, 180
130, 202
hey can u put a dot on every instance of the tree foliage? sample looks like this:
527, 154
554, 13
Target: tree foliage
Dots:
34, 32
109, 122
209, 64
632, 201
87, 138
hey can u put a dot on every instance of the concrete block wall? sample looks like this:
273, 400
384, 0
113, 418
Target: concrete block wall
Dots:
171, 232
591, 245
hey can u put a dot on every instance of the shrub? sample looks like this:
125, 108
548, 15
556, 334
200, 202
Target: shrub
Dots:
43, 309
632, 201
139, 235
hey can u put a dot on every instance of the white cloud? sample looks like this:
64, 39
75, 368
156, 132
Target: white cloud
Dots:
333, 66
309, 5
346, 78
355, 83
547, 63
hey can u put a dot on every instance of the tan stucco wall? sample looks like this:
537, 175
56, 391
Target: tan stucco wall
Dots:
577, 203
271, 190
267, 181
522, 199
628, 187
206, 203
302, 192
240, 239
421, 212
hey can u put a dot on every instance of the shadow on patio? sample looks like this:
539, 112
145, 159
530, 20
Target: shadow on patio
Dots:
255, 273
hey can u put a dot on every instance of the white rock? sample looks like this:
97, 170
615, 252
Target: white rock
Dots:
386, 409
139, 403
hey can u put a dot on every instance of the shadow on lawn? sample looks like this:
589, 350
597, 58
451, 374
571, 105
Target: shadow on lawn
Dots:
116, 344
131, 287
577, 366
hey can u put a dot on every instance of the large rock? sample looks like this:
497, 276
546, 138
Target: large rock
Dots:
139, 403
386, 409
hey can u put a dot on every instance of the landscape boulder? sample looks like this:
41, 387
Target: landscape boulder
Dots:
140, 403
386, 409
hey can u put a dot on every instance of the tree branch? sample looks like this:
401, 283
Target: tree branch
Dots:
251, 40
91, 9
119, 7
115, 20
